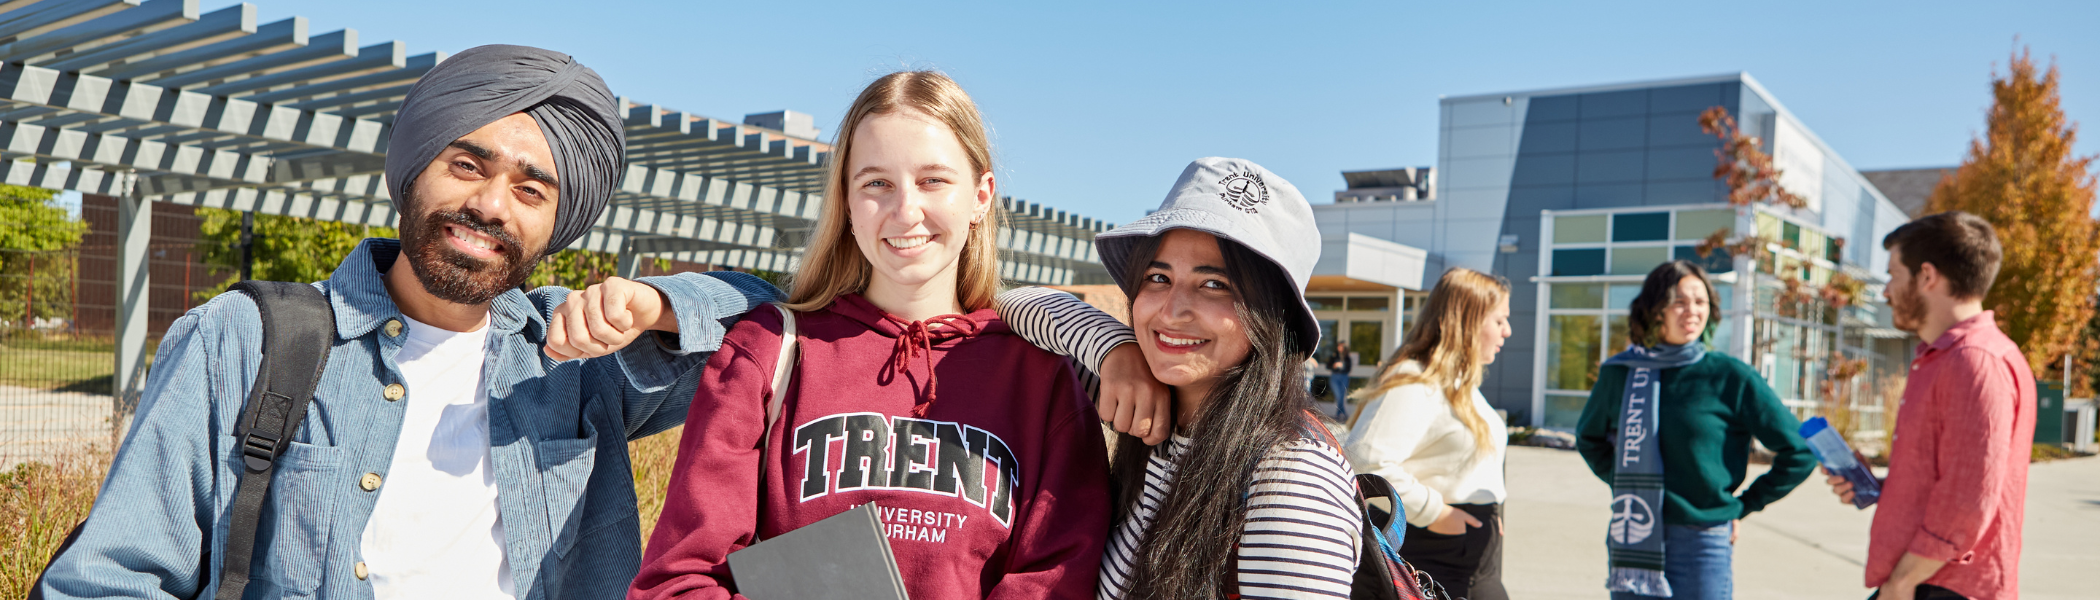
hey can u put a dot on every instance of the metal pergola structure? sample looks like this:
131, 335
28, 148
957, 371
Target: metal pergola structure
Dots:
156, 101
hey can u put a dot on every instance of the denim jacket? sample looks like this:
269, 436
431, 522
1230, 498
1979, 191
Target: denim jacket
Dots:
558, 435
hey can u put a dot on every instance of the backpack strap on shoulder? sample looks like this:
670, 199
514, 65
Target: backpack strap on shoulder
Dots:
298, 331
783, 375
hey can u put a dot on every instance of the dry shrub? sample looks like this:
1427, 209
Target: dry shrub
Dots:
653, 458
40, 503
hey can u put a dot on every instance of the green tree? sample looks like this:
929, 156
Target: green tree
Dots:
2020, 175
305, 250
286, 248
574, 269
37, 243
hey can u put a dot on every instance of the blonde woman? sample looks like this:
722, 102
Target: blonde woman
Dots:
994, 486
1428, 430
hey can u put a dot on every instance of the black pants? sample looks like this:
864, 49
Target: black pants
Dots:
1927, 591
1468, 565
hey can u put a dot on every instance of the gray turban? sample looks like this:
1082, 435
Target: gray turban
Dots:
577, 113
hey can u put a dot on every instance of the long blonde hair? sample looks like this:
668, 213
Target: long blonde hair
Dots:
1445, 341
832, 265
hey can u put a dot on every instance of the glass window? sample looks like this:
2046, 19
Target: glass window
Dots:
1617, 334
1835, 250
1811, 243
1723, 335
1370, 303
1622, 295
1327, 337
1585, 229
1563, 411
1574, 345
1640, 227
1578, 262
1697, 224
1637, 261
1717, 261
1790, 234
1577, 295
1367, 339
1324, 302
1767, 226
1727, 295
1787, 381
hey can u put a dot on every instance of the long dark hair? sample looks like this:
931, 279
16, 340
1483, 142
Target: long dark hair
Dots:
1256, 405
1644, 324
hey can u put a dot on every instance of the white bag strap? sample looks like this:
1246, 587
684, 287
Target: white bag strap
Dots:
783, 373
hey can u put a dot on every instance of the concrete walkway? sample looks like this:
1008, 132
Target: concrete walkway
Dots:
1806, 546
37, 425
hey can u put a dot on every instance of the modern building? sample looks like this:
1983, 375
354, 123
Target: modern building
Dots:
1575, 194
1908, 188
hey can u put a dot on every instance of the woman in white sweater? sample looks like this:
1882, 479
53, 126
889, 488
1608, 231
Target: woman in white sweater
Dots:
1425, 427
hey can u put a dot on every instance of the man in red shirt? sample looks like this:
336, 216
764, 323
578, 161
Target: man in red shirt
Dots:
1949, 520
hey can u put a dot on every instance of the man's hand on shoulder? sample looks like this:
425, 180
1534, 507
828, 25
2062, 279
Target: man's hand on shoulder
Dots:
606, 317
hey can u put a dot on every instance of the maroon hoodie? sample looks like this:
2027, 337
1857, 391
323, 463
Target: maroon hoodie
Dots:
981, 450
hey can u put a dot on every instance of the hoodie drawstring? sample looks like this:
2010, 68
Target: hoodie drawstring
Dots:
917, 340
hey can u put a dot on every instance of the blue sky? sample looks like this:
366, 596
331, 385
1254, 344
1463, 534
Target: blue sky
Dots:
1096, 107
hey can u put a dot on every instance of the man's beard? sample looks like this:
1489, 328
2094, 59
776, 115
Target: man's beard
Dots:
1907, 309
455, 277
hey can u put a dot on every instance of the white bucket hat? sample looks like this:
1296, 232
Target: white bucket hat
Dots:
1237, 200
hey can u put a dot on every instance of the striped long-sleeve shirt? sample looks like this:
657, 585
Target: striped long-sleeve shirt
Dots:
1300, 540
1066, 326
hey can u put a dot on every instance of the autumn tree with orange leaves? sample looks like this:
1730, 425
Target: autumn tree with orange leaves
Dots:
2020, 175
1753, 178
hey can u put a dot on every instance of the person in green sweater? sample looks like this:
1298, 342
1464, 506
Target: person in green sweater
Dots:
1669, 425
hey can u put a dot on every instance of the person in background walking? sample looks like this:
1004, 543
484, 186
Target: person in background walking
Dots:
1956, 492
1338, 367
1426, 428
1669, 425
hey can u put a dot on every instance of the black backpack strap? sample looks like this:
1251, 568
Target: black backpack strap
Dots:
298, 331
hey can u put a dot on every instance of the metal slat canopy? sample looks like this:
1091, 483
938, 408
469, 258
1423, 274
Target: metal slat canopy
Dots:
158, 99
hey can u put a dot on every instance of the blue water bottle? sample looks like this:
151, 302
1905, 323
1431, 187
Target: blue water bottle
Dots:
1831, 450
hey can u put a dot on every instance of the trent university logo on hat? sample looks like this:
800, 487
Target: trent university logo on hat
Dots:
1236, 200
1244, 190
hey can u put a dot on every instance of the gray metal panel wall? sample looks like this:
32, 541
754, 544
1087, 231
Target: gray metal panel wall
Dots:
1639, 147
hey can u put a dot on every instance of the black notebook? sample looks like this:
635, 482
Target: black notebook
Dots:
841, 557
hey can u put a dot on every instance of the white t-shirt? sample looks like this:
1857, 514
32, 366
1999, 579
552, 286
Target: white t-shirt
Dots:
434, 531
1412, 437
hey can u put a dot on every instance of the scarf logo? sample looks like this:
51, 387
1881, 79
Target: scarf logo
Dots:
1631, 519
1636, 430
1244, 190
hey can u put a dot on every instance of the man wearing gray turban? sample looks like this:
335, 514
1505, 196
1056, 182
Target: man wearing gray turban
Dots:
448, 452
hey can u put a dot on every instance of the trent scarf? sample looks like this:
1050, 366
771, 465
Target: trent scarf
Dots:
1635, 539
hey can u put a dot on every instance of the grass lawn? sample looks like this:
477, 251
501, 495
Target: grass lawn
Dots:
50, 368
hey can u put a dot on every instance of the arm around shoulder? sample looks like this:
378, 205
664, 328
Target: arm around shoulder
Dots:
656, 374
1063, 324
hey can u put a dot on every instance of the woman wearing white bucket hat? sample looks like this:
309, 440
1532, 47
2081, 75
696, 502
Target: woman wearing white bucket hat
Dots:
1251, 496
